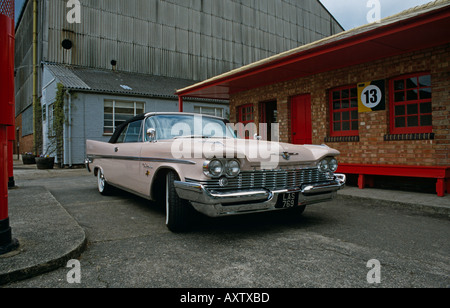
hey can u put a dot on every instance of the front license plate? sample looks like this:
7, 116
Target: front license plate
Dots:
286, 201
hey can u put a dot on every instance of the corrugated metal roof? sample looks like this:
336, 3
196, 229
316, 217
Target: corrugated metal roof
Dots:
114, 82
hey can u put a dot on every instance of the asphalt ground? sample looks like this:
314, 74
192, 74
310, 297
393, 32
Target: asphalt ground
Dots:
121, 241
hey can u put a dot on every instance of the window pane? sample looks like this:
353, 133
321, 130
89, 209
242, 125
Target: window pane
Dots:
337, 116
108, 130
413, 109
109, 124
425, 108
123, 117
345, 104
129, 111
400, 122
412, 95
336, 105
399, 85
345, 126
413, 121
353, 92
425, 81
336, 95
400, 110
346, 116
355, 125
425, 93
108, 116
400, 96
355, 115
411, 83
345, 93
426, 120
354, 103
337, 126
124, 105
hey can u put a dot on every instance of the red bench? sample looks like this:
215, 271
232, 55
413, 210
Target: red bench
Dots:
366, 173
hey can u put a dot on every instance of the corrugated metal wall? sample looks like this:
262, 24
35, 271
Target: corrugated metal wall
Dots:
192, 39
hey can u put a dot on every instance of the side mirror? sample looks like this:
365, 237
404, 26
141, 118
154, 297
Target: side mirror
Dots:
151, 134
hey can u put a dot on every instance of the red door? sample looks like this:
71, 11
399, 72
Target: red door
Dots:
301, 119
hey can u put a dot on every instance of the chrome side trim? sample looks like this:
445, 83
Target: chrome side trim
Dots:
141, 159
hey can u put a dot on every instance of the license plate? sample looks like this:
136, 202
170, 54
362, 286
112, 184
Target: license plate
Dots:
287, 201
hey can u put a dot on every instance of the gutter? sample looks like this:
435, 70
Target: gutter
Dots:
35, 76
69, 129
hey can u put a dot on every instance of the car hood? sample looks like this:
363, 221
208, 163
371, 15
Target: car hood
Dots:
254, 151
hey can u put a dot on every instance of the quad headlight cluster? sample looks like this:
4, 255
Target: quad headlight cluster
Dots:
217, 168
328, 164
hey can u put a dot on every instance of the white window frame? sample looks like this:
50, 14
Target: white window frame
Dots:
114, 102
218, 111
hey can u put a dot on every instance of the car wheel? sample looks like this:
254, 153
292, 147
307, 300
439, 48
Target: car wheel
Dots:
178, 211
103, 187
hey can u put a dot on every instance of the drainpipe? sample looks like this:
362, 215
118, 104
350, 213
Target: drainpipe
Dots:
35, 75
69, 128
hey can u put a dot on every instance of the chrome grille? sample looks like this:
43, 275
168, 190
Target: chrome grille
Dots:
272, 180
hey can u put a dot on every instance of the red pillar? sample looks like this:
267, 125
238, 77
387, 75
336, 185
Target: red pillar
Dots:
180, 104
7, 112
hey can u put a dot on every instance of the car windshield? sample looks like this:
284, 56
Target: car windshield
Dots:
175, 126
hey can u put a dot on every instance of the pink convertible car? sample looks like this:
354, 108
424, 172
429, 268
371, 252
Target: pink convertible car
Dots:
190, 162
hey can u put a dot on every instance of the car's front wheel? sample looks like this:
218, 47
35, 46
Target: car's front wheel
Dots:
178, 211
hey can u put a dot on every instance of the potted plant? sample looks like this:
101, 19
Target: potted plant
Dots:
29, 159
45, 162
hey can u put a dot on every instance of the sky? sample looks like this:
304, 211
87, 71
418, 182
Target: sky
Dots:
18, 7
353, 13
349, 13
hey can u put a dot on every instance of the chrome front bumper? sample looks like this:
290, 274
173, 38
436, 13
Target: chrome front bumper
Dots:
215, 204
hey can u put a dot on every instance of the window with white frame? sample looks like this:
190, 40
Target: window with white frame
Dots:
118, 112
212, 111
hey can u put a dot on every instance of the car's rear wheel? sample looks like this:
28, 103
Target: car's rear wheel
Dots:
103, 187
178, 211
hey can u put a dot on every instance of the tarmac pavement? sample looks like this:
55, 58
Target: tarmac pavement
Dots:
49, 237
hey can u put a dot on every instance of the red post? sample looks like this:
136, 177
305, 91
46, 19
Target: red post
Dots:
7, 113
180, 104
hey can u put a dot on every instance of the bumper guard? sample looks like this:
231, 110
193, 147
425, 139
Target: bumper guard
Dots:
215, 204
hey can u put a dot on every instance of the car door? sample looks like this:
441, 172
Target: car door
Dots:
126, 157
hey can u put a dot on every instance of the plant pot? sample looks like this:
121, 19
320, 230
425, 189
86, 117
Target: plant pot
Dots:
28, 159
44, 163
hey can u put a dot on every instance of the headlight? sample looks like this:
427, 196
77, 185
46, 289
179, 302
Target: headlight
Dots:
215, 168
220, 167
333, 165
323, 165
233, 168
328, 164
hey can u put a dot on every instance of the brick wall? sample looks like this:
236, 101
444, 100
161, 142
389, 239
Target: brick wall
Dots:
25, 142
373, 126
